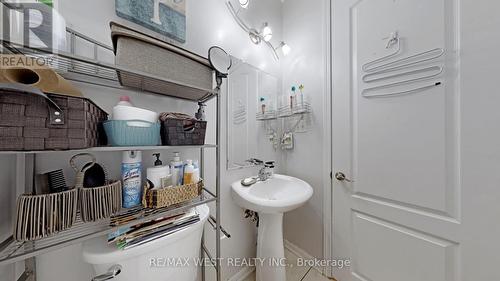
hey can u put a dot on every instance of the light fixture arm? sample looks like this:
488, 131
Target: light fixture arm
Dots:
238, 20
255, 35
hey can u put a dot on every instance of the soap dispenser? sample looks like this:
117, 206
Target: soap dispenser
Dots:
158, 173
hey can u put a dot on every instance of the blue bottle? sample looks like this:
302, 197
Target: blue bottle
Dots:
131, 178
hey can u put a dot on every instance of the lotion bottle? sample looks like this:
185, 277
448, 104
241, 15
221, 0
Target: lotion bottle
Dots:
176, 169
189, 172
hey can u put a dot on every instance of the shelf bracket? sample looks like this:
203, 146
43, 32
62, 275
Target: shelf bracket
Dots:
25, 180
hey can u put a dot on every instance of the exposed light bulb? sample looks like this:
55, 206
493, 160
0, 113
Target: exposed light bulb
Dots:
244, 3
285, 49
254, 36
267, 33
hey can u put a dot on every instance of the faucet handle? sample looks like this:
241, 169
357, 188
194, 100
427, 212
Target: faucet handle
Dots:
255, 161
269, 164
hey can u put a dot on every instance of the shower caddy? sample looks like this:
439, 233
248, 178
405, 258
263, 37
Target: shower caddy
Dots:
96, 72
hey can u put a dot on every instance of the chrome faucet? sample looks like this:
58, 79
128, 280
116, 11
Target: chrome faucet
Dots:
265, 172
267, 169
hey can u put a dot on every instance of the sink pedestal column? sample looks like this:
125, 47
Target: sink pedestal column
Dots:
270, 249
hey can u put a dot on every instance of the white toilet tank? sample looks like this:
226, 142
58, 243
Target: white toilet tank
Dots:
151, 260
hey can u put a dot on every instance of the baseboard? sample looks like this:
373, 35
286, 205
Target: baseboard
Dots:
242, 274
301, 253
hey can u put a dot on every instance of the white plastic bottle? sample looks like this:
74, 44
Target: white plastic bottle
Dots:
196, 165
131, 178
189, 172
124, 100
158, 173
176, 168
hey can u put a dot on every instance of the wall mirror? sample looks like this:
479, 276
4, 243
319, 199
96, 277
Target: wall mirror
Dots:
246, 137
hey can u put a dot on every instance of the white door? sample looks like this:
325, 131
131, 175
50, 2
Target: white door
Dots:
424, 156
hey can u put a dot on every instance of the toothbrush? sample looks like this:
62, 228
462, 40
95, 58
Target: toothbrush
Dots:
301, 87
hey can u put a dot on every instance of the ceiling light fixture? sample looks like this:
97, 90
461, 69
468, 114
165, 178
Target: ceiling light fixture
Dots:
265, 35
244, 3
285, 48
254, 36
267, 32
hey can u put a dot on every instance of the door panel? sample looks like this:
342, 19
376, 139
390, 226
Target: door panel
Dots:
403, 249
400, 217
410, 135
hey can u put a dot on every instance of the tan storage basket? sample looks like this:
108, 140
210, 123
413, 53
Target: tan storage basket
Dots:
96, 203
39, 216
101, 202
168, 196
191, 75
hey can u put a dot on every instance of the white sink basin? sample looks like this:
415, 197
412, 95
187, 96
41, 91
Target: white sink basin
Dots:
271, 199
278, 194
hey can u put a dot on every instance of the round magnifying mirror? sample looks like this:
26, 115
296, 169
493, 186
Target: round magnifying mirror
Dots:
219, 59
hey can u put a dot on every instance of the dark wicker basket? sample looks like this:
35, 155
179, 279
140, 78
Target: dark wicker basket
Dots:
183, 132
28, 121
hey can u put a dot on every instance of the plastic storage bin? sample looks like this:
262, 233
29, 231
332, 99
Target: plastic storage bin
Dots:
132, 133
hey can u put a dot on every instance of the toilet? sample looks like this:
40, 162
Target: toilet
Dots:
159, 260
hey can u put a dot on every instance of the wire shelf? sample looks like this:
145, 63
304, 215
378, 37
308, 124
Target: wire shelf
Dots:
268, 115
286, 111
94, 71
12, 251
113, 149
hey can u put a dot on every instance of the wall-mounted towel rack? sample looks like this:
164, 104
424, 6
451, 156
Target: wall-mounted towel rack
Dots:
404, 92
439, 71
372, 77
393, 39
406, 61
390, 68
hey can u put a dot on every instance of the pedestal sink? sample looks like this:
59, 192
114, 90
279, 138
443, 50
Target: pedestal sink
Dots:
271, 198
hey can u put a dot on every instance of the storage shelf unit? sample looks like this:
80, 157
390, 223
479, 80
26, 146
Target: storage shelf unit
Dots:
96, 72
13, 251
114, 149
93, 71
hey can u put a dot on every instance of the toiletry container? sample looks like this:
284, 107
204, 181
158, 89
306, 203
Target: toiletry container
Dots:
176, 168
188, 173
125, 100
149, 261
158, 172
196, 165
124, 110
132, 178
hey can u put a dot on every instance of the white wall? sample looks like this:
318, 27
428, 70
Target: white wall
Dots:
304, 30
208, 23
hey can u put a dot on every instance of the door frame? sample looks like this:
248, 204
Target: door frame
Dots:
327, 138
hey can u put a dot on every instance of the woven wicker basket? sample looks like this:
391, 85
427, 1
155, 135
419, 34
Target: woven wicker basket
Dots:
101, 202
31, 120
39, 216
96, 203
168, 196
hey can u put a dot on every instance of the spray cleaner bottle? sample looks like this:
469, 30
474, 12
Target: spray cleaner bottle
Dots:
132, 178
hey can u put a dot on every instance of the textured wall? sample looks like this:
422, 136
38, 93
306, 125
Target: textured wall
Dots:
303, 29
208, 23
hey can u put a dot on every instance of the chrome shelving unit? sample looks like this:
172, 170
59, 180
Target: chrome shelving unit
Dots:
93, 70
13, 251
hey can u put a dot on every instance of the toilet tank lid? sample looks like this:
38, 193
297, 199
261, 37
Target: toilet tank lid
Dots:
98, 251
